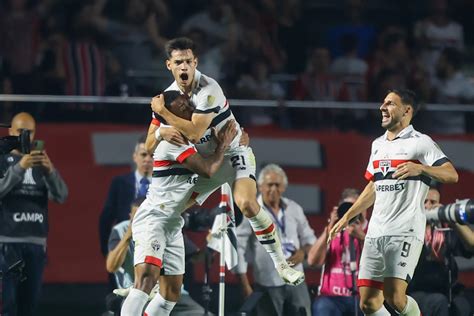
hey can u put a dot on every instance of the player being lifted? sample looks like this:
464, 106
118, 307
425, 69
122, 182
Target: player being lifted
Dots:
401, 166
157, 224
238, 168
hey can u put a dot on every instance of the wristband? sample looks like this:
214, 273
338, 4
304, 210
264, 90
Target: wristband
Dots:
158, 136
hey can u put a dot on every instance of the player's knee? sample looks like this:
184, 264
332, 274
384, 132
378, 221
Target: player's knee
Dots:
248, 207
145, 282
172, 294
396, 301
370, 305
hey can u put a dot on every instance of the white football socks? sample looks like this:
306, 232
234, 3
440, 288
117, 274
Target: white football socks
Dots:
266, 234
134, 303
381, 312
411, 309
159, 306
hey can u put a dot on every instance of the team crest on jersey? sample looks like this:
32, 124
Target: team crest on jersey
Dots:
155, 245
384, 166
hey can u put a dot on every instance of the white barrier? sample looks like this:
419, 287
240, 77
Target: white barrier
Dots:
234, 102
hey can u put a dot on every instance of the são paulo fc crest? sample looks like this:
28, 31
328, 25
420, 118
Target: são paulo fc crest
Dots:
155, 245
384, 166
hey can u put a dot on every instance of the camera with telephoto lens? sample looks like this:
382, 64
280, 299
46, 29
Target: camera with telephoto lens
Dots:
201, 219
460, 212
21, 142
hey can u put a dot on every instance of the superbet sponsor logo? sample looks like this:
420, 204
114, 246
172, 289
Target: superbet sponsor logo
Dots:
390, 187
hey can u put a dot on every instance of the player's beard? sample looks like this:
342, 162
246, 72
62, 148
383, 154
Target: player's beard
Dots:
390, 124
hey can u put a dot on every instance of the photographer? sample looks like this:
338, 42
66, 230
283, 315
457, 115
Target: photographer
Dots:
27, 180
337, 293
430, 285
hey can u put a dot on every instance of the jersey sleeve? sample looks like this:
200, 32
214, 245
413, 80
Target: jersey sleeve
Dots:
179, 153
209, 99
369, 172
429, 152
156, 119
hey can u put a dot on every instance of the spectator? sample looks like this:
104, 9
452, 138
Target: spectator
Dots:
211, 58
392, 56
256, 84
19, 43
317, 83
5, 88
137, 39
296, 238
336, 296
291, 27
351, 70
120, 263
123, 190
430, 284
451, 87
27, 181
437, 32
354, 23
217, 21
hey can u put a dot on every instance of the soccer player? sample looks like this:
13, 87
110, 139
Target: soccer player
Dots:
238, 169
157, 225
402, 163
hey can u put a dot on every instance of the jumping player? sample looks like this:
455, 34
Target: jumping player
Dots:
157, 225
402, 163
238, 169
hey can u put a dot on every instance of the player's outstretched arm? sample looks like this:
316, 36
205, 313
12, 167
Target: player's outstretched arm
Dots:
192, 130
208, 166
365, 200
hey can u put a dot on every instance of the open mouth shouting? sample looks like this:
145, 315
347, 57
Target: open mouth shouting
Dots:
184, 77
385, 117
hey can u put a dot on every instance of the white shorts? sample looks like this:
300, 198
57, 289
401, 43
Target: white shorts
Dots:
388, 257
158, 240
238, 163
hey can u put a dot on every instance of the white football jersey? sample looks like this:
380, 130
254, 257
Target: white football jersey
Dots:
399, 204
208, 97
172, 184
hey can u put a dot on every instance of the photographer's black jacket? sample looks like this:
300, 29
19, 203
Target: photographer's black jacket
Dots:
433, 276
24, 200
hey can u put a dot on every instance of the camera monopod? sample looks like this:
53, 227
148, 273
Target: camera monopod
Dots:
353, 267
450, 256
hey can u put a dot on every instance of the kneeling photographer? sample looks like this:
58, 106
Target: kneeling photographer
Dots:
434, 285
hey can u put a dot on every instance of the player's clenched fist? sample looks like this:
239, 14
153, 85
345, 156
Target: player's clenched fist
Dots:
158, 104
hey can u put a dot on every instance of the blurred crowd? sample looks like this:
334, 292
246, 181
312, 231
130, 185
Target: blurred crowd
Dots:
345, 50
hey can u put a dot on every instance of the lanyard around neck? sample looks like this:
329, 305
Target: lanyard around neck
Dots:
280, 224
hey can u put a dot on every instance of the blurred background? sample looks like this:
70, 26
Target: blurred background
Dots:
304, 77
